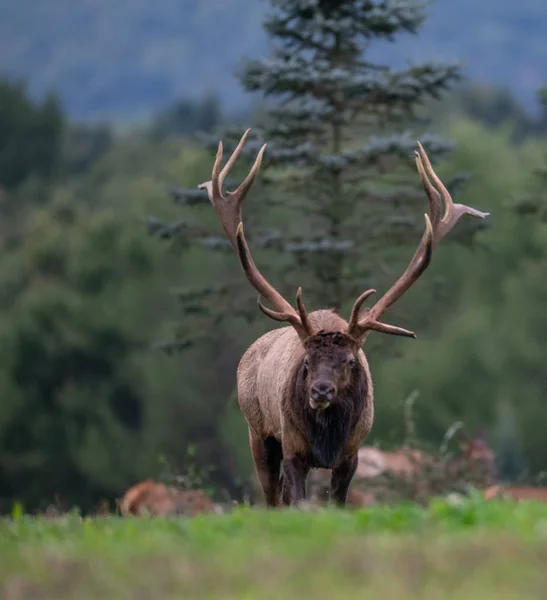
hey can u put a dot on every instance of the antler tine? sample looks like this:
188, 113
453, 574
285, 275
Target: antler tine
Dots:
247, 183
278, 316
433, 196
436, 229
228, 207
391, 329
299, 323
374, 325
231, 161
215, 179
354, 318
453, 212
228, 210
303, 312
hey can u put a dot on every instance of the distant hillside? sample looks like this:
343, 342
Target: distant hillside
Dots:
128, 57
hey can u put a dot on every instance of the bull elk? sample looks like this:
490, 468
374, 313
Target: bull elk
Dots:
306, 391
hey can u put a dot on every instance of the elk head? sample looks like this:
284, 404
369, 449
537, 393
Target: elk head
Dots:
331, 356
328, 365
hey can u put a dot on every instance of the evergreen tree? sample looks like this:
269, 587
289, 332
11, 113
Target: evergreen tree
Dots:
187, 116
336, 170
31, 138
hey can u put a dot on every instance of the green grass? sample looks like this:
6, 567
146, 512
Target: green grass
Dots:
468, 551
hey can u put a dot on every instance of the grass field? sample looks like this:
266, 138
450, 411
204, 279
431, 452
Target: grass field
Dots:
468, 551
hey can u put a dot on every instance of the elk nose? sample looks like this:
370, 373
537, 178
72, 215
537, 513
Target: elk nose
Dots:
323, 391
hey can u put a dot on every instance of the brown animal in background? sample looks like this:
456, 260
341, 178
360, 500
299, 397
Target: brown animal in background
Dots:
403, 462
517, 493
306, 390
149, 497
373, 462
407, 462
475, 464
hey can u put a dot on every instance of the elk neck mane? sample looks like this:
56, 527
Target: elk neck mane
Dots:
328, 430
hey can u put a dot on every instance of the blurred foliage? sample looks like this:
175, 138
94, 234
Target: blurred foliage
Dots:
84, 144
493, 106
88, 406
188, 116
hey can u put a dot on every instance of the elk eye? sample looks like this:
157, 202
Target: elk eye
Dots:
351, 361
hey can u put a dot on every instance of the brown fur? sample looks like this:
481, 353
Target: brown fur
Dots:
149, 497
404, 462
282, 426
517, 493
407, 462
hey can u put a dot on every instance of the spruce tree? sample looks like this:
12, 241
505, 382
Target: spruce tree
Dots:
338, 170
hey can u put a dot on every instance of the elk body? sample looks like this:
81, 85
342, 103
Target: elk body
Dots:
305, 390
149, 497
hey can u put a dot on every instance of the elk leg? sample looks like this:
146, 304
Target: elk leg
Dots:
295, 472
267, 455
341, 478
285, 492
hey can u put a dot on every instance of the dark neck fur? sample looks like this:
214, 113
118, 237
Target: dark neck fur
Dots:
328, 430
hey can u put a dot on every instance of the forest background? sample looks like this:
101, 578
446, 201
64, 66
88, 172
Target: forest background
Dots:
123, 313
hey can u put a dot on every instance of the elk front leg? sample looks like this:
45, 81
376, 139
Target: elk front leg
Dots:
341, 478
295, 472
284, 487
267, 455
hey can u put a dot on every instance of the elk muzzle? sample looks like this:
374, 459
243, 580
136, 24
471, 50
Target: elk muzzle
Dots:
322, 393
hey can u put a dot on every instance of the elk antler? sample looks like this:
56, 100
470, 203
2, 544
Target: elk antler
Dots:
435, 229
228, 210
